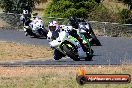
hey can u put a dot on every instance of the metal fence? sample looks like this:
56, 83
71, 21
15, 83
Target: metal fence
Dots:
100, 28
10, 21
111, 29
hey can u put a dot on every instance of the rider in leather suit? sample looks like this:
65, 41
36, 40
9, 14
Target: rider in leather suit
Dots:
73, 21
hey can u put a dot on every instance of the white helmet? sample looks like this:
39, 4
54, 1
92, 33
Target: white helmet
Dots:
53, 25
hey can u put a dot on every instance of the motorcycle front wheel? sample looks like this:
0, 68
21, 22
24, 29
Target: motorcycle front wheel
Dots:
70, 51
43, 32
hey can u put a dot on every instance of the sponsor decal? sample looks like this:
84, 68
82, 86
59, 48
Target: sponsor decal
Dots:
83, 78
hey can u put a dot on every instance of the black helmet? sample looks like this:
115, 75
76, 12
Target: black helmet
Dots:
73, 21
81, 20
72, 18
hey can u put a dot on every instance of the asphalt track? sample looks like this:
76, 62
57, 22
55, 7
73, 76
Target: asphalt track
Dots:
114, 50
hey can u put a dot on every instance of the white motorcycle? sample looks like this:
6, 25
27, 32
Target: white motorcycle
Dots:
70, 46
36, 28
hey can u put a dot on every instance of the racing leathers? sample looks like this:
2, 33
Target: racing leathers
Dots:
61, 37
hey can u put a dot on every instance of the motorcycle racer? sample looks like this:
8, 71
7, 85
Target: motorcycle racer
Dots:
85, 28
35, 26
74, 22
53, 25
53, 30
68, 30
26, 13
35, 16
26, 25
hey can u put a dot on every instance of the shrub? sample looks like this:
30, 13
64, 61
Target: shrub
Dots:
16, 6
103, 14
126, 16
65, 8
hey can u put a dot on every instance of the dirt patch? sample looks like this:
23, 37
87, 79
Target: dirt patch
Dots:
17, 51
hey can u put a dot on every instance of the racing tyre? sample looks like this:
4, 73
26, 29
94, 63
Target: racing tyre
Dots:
70, 51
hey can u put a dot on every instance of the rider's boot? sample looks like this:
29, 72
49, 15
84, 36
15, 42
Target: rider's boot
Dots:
57, 54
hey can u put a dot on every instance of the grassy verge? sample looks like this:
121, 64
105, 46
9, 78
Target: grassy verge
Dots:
56, 77
3, 23
17, 51
114, 5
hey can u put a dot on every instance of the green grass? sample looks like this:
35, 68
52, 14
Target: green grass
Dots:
52, 81
57, 77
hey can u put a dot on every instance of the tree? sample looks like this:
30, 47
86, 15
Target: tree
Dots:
126, 14
6, 5
65, 8
18, 5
